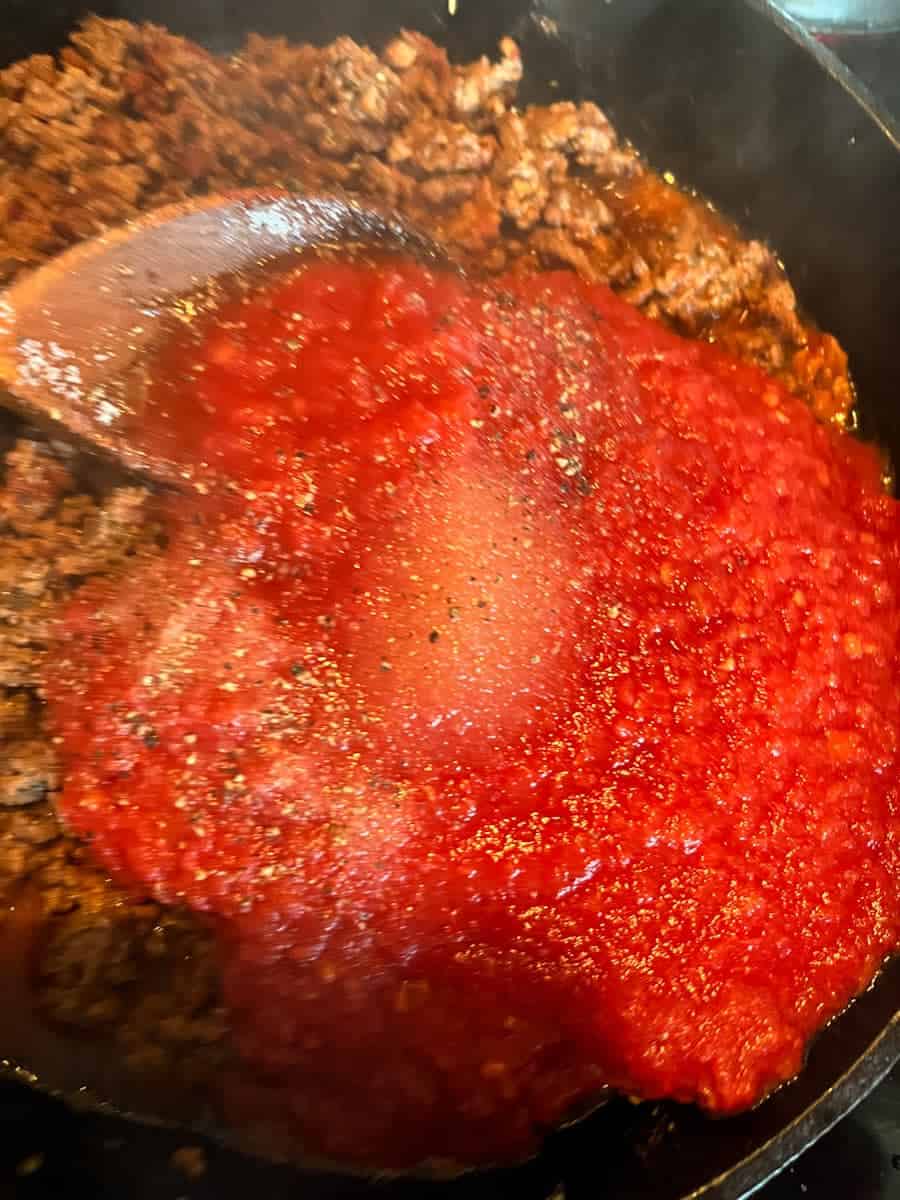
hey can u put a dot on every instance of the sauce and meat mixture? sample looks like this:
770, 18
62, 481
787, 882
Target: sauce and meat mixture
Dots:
126, 117
516, 692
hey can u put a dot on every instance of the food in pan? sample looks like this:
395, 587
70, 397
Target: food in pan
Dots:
511, 697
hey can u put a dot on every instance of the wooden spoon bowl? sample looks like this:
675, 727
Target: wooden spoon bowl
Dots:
73, 331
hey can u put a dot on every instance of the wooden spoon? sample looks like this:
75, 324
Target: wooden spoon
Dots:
73, 331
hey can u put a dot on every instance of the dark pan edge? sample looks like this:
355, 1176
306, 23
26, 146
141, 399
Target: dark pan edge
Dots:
877, 1060
758, 1168
832, 66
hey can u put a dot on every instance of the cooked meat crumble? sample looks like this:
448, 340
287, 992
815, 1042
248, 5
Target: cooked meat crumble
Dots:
131, 117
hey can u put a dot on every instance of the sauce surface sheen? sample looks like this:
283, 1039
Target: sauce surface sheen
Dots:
517, 690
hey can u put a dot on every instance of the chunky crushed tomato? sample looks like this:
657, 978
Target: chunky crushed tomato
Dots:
518, 692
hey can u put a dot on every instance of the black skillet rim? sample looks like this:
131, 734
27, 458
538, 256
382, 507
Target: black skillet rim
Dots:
833, 66
836, 1102
882, 1054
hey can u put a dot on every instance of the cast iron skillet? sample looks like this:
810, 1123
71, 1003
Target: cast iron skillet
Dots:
738, 103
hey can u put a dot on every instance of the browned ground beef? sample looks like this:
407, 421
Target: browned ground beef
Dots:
130, 117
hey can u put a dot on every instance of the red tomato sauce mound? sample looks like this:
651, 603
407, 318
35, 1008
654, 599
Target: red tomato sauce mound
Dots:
518, 693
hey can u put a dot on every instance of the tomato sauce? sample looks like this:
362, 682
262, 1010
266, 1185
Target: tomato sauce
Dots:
517, 691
